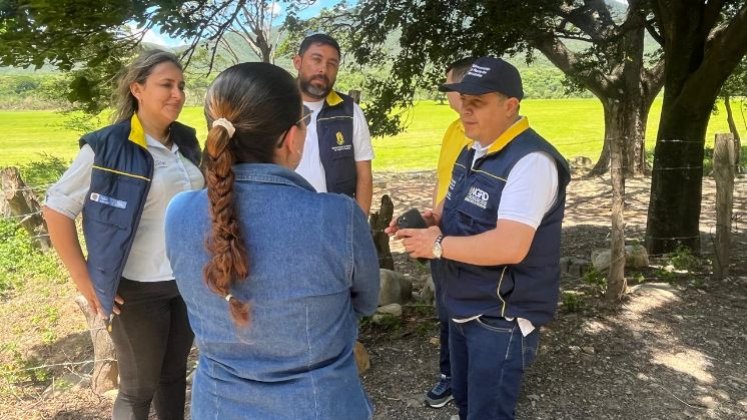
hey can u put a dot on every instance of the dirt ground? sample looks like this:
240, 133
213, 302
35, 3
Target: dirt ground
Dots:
675, 349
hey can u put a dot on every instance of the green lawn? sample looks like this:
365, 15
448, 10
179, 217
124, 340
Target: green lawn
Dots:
575, 126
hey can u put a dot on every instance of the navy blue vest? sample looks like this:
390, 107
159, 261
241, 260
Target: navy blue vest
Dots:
334, 127
528, 289
120, 181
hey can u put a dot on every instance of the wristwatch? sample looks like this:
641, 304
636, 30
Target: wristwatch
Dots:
437, 250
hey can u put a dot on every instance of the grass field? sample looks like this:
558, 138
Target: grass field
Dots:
574, 126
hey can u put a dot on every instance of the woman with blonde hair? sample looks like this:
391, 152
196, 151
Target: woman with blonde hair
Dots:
274, 274
121, 181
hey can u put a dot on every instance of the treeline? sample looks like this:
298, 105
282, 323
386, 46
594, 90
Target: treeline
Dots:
45, 91
32, 91
49, 91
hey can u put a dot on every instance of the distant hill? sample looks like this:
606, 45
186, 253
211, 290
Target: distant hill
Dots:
541, 78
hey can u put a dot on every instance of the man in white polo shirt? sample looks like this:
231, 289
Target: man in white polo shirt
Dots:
337, 153
497, 234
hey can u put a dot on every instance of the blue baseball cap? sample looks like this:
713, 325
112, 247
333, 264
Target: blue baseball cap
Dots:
489, 74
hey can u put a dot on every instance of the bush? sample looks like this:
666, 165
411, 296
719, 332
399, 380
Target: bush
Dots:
19, 260
38, 174
683, 259
572, 301
595, 279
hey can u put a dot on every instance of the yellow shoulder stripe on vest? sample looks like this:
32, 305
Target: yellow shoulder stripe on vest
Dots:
511, 133
114, 171
333, 98
137, 134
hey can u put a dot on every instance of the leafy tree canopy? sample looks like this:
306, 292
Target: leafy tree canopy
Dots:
585, 39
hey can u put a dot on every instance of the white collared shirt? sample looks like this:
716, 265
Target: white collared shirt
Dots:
172, 173
311, 167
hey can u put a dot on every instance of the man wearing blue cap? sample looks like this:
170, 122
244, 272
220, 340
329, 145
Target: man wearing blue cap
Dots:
498, 235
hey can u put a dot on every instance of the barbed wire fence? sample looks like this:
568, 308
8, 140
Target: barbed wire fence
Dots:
21, 205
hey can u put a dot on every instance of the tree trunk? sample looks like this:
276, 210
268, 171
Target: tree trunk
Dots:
267, 54
701, 50
643, 121
625, 121
734, 131
730, 118
633, 125
677, 180
603, 163
21, 203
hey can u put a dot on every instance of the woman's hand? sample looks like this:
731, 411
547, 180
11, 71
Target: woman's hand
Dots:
85, 288
118, 302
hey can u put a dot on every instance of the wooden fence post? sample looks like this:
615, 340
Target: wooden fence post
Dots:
355, 94
105, 369
723, 172
20, 202
379, 221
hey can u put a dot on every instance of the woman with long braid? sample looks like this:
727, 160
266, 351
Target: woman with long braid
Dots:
274, 275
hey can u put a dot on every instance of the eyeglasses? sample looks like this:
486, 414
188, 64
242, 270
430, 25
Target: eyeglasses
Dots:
305, 118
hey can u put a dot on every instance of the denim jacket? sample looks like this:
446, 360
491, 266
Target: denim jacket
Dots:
313, 270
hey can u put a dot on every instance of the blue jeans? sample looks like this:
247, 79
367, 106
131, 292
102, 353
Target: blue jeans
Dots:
444, 365
488, 358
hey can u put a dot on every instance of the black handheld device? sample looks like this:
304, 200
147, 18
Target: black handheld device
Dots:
411, 219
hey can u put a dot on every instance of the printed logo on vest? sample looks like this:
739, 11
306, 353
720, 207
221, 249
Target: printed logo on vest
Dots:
477, 197
340, 138
452, 184
108, 201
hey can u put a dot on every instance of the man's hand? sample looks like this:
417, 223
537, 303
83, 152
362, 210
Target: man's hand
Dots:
431, 219
419, 242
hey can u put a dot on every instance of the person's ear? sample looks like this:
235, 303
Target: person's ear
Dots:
136, 89
297, 62
296, 138
512, 105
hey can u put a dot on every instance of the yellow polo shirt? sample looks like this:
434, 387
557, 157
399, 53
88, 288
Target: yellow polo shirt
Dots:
452, 144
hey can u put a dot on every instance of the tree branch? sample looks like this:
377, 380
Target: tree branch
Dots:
653, 79
726, 49
566, 60
592, 18
651, 29
189, 52
712, 13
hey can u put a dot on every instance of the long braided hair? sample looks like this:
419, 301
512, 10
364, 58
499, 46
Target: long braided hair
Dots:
261, 101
